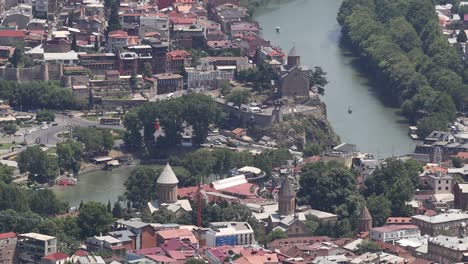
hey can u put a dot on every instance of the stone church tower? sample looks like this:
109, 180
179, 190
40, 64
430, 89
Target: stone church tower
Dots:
286, 198
294, 60
167, 186
365, 220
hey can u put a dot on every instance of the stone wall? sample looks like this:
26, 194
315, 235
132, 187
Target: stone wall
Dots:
43, 72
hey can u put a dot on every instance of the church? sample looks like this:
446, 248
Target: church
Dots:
294, 78
286, 216
167, 194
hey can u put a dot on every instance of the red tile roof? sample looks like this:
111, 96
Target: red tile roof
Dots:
174, 54
12, 34
7, 235
56, 256
398, 220
240, 190
80, 253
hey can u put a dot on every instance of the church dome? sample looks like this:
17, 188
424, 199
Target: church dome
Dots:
167, 176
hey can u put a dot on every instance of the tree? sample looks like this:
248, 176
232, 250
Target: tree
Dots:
141, 186
12, 197
318, 79
94, 219
199, 163
147, 70
95, 140
40, 165
426, 125
10, 128
74, 46
96, 43
397, 181
133, 80
277, 234
225, 89
16, 58
71, 18
117, 211
109, 207
45, 116
330, 183
194, 261
461, 37
163, 216
69, 155
238, 97
114, 20
6, 173
380, 209
200, 111
45, 203
367, 246
457, 162
312, 149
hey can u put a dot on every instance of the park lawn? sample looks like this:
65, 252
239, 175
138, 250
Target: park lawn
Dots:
7, 145
91, 118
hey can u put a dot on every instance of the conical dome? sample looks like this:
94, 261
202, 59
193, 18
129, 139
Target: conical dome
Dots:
365, 215
167, 176
292, 52
286, 189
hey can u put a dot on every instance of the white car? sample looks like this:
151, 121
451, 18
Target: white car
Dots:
32, 130
44, 127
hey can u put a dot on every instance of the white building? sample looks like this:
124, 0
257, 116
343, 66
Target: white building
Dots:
154, 23
390, 233
33, 246
440, 183
199, 79
229, 233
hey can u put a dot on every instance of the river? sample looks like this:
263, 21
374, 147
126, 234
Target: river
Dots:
100, 186
311, 25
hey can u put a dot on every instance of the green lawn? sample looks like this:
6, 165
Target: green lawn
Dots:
91, 118
6, 145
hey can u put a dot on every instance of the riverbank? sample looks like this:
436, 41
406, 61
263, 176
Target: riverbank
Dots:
373, 126
412, 63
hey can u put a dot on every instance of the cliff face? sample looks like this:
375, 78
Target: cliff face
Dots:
300, 130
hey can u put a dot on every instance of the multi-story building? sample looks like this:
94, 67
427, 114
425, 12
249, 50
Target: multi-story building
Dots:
210, 63
117, 38
176, 60
7, 247
391, 233
440, 183
158, 52
207, 79
229, 233
98, 63
445, 223
447, 250
460, 192
169, 83
157, 22
32, 247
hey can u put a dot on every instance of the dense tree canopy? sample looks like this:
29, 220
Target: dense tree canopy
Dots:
45, 116
395, 180
40, 165
402, 45
196, 110
95, 140
37, 94
69, 155
94, 219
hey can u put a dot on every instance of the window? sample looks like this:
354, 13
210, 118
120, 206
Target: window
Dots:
440, 188
446, 188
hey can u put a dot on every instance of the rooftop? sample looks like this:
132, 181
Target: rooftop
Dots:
391, 228
37, 236
442, 218
167, 176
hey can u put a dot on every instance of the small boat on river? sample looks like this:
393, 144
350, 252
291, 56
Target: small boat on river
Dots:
350, 110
